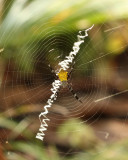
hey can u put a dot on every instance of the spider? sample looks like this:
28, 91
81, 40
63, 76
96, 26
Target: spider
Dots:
64, 77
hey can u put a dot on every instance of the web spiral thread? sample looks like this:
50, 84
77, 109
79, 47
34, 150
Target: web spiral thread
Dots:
65, 64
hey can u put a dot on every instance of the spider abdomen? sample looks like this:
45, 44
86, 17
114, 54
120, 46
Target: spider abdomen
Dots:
64, 84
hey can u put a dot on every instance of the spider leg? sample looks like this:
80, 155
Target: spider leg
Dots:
71, 69
53, 72
74, 94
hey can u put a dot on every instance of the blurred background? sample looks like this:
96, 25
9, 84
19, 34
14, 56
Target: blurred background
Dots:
36, 33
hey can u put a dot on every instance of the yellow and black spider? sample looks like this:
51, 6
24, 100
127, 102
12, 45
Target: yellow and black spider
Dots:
64, 77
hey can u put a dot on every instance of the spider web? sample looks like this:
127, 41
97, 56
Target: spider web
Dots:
32, 89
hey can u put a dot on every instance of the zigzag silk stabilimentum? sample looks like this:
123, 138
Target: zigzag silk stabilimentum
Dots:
65, 64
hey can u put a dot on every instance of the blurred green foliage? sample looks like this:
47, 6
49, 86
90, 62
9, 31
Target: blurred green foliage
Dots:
74, 132
25, 23
77, 134
26, 29
114, 151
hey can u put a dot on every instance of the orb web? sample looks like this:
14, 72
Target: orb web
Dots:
31, 86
